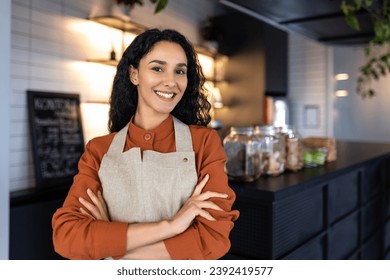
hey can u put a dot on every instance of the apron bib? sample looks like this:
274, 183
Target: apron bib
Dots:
150, 187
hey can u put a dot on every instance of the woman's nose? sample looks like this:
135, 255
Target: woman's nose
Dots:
169, 80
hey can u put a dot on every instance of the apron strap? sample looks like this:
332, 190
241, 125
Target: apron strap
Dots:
182, 136
118, 143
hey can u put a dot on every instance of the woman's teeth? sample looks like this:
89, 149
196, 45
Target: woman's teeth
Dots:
165, 94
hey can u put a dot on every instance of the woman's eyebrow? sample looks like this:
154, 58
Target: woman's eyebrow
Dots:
182, 64
164, 63
158, 61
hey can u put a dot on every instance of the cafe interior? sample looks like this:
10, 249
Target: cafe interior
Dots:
308, 151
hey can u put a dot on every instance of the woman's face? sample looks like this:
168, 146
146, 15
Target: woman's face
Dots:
161, 79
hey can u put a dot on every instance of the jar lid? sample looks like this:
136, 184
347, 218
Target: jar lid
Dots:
290, 130
244, 130
267, 130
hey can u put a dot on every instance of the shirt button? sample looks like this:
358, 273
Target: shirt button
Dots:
147, 137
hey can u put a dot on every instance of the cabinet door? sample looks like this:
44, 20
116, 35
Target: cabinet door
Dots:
373, 177
251, 235
343, 195
276, 61
31, 231
297, 219
387, 236
312, 250
372, 248
372, 217
343, 237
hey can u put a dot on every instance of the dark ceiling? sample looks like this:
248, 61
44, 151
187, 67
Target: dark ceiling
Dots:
321, 20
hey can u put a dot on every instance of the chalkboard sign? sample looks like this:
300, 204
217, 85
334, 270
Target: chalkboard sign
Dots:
57, 136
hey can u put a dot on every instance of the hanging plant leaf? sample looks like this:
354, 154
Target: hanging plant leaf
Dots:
385, 60
130, 3
353, 22
374, 74
368, 2
160, 5
365, 69
377, 66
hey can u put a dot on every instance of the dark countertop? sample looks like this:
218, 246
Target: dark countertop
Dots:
350, 155
36, 195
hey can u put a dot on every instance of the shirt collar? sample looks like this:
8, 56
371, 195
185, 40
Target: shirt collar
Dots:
162, 131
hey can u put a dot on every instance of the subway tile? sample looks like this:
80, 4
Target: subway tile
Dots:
18, 143
20, 56
20, 26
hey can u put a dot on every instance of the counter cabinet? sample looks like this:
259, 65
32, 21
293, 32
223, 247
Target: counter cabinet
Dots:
339, 211
30, 222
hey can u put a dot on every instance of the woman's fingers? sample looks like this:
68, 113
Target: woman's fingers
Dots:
98, 207
92, 208
101, 199
86, 213
207, 205
199, 187
208, 195
97, 200
206, 215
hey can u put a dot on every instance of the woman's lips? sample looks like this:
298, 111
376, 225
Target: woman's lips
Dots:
167, 95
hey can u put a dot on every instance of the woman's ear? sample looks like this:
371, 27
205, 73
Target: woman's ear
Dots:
134, 75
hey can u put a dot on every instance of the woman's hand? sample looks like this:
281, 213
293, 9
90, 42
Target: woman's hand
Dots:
195, 206
98, 208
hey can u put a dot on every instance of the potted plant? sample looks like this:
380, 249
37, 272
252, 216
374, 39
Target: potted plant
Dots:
378, 50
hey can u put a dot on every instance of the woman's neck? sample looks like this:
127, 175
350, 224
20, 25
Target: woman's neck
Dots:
149, 122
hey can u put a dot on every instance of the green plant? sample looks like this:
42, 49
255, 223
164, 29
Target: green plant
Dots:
160, 4
377, 62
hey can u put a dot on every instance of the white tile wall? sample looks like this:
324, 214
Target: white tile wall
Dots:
357, 118
51, 39
5, 53
308, 83
38, 62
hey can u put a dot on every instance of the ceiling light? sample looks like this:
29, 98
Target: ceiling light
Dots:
341, 93
342, 77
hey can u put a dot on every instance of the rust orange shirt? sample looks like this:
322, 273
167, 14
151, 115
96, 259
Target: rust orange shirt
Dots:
77, 236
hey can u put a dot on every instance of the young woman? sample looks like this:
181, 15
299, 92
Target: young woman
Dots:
155, 187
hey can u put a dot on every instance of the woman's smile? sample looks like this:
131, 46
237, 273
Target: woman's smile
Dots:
165, 95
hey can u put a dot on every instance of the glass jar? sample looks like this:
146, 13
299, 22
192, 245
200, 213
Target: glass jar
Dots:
294, 149
243, 151
272, 151
282, 135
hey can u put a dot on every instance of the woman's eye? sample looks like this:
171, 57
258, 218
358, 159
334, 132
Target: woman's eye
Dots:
180, 72
157, 69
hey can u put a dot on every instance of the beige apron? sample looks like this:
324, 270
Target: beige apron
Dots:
149, 187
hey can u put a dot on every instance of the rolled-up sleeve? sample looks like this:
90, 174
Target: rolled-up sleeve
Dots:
208, 239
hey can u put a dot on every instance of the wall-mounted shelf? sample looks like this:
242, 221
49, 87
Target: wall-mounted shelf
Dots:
104, 61
118, 23
135, 28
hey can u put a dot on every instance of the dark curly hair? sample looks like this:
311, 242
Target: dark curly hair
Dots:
193, 108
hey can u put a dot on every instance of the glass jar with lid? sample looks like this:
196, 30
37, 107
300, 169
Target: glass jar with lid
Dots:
272, 150
243, 151
282, 135
294, 149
